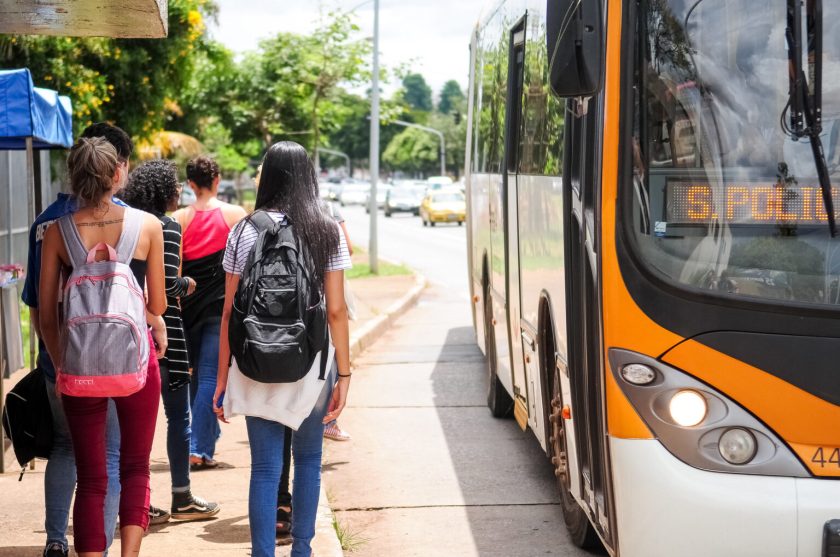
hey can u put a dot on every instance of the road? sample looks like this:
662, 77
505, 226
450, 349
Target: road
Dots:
429, 472
439, 253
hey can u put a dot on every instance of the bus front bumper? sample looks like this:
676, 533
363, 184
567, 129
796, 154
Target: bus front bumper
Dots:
665, 508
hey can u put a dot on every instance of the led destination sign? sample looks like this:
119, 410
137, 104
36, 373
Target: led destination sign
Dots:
746, 203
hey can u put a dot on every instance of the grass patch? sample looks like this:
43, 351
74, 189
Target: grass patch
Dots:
349, 539
362, 270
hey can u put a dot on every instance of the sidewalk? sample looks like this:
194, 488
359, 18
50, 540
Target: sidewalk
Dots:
378, 301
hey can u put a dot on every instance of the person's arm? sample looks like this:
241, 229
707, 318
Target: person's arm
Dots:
176, 286
340, 333
155, 275
346, 236
231, 284
48, 288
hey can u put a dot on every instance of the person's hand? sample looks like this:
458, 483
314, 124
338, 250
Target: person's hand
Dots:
338, 399
191, 287
218, 399
159, 336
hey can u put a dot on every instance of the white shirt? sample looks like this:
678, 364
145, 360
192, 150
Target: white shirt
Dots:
286, 403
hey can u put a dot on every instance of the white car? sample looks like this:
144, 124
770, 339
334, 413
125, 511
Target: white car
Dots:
381, 196
354, 194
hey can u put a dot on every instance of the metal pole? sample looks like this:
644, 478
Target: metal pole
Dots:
342, 154
373, 247
430, 130
30, 180
442, 156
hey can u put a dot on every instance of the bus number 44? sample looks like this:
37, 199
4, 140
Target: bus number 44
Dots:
819, 457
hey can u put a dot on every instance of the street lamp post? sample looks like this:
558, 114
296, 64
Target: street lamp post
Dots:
374, 145
341, 154
430, 130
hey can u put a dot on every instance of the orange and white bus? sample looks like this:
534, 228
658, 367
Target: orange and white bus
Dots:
654, 264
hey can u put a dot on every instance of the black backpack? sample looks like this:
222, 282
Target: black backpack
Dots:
27, 418
278, 323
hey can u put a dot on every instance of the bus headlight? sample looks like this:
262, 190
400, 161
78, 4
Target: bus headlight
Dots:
698, 424
638, 374
688, 408
737, 445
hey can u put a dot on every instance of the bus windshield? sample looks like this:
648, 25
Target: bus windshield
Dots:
725, 197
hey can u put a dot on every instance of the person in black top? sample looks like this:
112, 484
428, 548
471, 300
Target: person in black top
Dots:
153, 187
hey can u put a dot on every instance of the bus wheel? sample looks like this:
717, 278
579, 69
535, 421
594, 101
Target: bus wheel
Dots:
580, 529
498, 400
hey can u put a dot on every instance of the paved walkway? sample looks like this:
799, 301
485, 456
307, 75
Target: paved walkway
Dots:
429, 472
21, 503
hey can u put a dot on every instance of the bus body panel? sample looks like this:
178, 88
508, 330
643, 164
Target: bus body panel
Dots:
670, 508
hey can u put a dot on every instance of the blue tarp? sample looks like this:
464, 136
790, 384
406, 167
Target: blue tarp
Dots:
29, 111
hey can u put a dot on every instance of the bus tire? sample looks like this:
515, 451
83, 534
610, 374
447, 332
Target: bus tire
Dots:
498, 400
580, 530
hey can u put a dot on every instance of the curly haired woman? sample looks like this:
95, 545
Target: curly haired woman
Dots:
153, 187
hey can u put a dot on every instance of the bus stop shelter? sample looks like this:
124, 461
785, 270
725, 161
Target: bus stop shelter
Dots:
31, 119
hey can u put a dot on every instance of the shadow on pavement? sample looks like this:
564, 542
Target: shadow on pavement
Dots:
229, 530
20, 551
505, 478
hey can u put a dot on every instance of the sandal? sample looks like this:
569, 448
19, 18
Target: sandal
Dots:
283, 526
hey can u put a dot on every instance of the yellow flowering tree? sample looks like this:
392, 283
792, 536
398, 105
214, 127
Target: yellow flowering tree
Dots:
131, 82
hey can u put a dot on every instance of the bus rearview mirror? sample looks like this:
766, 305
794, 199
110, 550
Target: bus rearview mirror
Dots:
574, 36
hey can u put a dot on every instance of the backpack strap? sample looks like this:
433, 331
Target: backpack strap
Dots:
262, 221
72, 241
132, 226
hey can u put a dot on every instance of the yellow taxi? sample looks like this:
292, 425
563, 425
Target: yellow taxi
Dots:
447, 205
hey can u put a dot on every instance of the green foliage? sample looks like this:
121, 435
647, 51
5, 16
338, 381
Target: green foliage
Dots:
129, 81
416, 93
413, 150
451, 98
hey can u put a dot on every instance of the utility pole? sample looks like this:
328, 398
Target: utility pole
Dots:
430, 130
341, 154
373, 247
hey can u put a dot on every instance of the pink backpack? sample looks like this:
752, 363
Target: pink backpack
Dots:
104, 341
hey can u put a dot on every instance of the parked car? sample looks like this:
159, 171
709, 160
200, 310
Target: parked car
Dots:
404, 199
354, 194
382, 190
187, 196
443, 206
227, 191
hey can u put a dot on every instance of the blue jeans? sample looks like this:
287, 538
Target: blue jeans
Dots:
176, 405
266, 440
204, 344
60, 474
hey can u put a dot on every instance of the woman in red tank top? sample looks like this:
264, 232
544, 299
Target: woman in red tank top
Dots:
206, 226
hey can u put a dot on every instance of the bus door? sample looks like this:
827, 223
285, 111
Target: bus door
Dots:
584, 313
513, 119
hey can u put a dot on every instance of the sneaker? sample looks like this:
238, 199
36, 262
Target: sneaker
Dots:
55, 549
332, 431
185, 506
157, 515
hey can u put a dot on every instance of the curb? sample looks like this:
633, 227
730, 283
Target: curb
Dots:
326, 542
362, 339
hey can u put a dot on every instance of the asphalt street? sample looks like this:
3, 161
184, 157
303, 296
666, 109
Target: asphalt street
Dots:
429, 472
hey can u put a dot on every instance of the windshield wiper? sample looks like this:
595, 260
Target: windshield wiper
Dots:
804, 105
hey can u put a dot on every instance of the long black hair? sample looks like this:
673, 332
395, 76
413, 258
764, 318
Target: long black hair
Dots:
289, 184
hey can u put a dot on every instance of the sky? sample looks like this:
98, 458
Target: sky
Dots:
431, 36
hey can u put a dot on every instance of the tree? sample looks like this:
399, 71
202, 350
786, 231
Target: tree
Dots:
416, 93
413, 150
128, 81
451, 97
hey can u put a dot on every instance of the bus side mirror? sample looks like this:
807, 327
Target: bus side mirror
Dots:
575, 43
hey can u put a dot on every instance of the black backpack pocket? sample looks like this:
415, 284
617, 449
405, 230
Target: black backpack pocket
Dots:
274, 351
